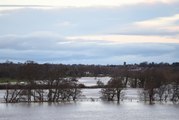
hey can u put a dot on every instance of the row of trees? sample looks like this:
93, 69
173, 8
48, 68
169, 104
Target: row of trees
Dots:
62, 89
40, 71
159, 84
159, 81
20, 70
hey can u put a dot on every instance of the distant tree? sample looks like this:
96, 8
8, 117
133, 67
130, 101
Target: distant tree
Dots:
154, 79
125, 73
100, 83
30, 73
113, 89
143, 64
175, 86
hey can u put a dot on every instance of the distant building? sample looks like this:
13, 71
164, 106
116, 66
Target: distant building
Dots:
124, 63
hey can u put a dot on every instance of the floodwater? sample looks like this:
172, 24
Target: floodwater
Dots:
91, 81
129, 109
91, 110
88, 111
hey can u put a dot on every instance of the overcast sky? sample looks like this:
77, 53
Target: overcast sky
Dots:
89, 31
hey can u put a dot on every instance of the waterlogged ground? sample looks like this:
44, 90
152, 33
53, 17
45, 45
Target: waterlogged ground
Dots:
89, 111
91, 81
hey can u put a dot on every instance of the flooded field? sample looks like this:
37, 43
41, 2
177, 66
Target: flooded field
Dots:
89, 111
131, 108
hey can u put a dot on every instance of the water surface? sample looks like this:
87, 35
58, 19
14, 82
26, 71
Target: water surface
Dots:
88, 111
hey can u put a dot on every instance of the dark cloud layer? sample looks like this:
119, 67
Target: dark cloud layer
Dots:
66, 51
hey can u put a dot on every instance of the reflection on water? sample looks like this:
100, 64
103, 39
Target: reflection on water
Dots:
88, 111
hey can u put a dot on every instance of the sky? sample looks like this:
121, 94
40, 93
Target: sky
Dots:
89, 31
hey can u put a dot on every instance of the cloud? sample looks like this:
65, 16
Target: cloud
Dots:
90, 35
8, 9
169, 23
83, 21
37, 40
126, 38
48, 48
82, 3
10, 6
162, 21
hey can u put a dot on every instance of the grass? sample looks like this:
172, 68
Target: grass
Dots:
5, 80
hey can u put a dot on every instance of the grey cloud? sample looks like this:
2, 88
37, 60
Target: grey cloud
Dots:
63, 50
20, 42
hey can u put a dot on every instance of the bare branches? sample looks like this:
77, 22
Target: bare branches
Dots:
63, 89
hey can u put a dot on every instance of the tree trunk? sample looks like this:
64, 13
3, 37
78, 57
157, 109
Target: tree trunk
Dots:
50, 96
118, 95
151, 93
135, 83
126, 81
29, 95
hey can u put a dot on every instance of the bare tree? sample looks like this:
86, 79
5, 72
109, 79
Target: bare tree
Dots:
113, 89
100, 83
154, 79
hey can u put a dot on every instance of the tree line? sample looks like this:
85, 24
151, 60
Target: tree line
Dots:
160, 82
59, 90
